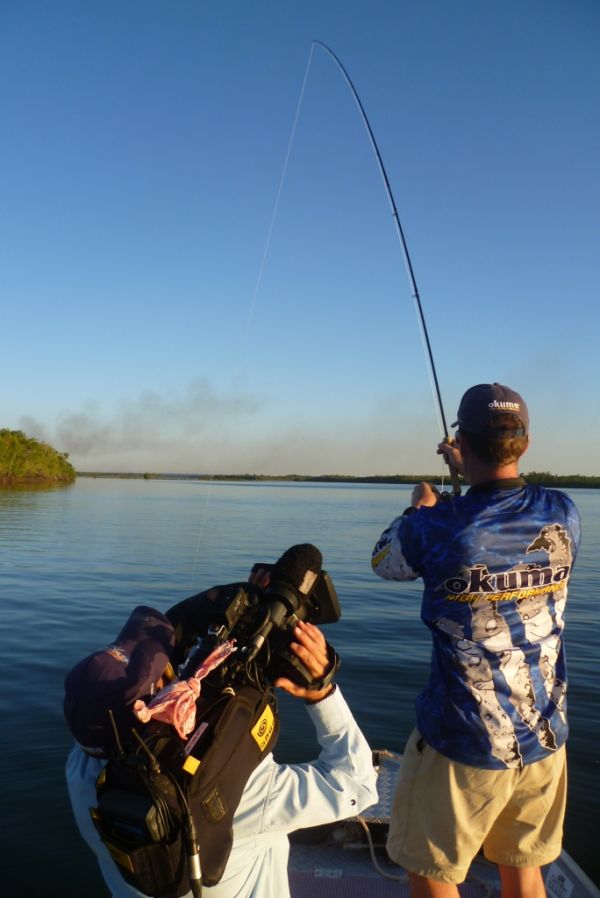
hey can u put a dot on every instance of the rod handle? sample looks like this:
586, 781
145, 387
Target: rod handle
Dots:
454, 475
454, 479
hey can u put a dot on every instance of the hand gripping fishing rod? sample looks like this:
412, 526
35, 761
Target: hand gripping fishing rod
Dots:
405, 253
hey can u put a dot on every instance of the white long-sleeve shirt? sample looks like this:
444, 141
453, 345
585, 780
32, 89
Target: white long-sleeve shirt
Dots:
278, 799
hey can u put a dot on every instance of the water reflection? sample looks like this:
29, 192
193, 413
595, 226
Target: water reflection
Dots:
74, 560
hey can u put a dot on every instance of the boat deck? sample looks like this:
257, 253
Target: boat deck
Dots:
349, 860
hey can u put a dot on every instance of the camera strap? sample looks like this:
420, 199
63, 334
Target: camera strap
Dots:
334, 663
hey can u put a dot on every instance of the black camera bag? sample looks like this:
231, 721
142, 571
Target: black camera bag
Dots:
140, 812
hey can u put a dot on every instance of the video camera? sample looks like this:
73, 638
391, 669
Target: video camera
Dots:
262, 622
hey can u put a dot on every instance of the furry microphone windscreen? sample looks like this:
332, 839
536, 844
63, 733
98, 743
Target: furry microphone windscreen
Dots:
295, 562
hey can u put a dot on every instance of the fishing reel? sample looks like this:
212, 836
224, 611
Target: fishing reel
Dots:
441, 495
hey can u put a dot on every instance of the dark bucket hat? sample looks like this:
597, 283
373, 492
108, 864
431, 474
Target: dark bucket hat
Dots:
113, 678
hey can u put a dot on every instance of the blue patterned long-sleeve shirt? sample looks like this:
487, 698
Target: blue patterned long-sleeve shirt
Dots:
495, 564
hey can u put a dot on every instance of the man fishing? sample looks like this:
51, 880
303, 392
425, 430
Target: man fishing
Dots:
485, 766
113, 694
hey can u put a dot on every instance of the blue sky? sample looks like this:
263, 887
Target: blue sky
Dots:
141, 150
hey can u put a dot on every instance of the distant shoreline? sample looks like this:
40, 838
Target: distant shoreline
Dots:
543, 478
27, 461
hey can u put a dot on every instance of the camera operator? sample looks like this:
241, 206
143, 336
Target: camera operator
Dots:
277, 798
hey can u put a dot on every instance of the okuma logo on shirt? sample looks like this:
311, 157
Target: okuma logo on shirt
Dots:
516, 583
522, 580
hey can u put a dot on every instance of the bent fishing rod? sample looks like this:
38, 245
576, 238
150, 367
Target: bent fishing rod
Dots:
405, 253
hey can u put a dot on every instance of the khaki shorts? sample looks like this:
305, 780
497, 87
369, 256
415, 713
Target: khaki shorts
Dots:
444, 812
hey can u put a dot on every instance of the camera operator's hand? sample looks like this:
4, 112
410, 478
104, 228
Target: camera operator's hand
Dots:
310, 646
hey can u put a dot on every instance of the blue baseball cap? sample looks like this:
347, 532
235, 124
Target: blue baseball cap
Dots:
483, 402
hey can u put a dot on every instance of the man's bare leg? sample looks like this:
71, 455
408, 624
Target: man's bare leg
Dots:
521, 882
420, 887
517, 882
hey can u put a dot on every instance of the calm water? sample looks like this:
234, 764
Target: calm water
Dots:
75, 560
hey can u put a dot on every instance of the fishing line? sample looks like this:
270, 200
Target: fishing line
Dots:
278, 196
255, 291
257, 285
207, 499
255, 294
